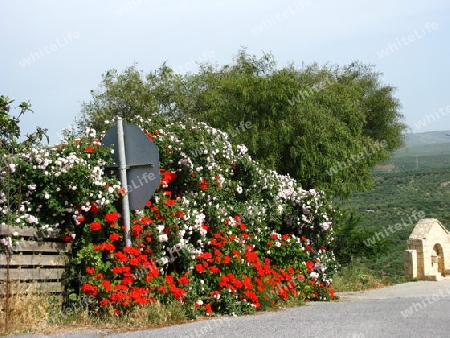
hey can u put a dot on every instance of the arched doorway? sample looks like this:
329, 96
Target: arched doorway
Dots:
437, 257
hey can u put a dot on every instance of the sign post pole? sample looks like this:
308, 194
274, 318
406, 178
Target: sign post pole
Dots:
123, 180
136, 161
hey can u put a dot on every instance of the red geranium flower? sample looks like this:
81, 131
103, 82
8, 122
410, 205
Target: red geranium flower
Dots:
199, 268
214, 269
310, 266
132, 251
332, 293
112, 217
95, 226
117, 269
183, 280
226, 259
89, 290
107, 285
67, 239
208, 308
114, 237
203, 184
94, 208
90, 270
169, 203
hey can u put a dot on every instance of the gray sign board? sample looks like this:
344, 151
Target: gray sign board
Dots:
142, 162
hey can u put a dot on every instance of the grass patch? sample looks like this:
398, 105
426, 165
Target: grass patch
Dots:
147, 316
41, 313
26, 312
357, 277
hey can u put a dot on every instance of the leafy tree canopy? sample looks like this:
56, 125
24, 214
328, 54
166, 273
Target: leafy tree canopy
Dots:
327, 126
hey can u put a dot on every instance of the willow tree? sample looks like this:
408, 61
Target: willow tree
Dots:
327, 126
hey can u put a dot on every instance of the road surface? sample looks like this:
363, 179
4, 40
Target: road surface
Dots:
416, 309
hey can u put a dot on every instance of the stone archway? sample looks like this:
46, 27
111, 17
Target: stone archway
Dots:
437, 259
428, 254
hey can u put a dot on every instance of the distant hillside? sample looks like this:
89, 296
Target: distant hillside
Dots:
429, 137
422, 151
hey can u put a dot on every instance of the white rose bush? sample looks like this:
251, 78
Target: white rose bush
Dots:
221, 235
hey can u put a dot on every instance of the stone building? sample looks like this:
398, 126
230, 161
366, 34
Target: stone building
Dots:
428, 254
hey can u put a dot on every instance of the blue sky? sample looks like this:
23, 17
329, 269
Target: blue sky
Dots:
54, 52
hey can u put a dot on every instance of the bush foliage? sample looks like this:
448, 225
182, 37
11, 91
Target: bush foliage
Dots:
220, 235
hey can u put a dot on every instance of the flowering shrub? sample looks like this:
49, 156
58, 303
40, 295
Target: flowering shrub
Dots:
220, 235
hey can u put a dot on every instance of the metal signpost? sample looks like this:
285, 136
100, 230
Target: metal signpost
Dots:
137, 159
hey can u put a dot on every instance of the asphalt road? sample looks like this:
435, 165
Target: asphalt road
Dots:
417, 309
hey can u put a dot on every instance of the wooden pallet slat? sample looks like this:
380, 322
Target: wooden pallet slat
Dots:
33, 287
35, 260
41, 246
18, 274
27, 231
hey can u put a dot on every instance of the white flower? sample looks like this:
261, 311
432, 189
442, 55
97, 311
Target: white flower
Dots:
12, 167
239, 189
325, 225
280, 209
163, 261
47, 195
32, 187
163, 238
242, 149
314, 275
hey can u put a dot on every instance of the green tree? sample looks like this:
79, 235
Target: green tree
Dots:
327, 126
10, 128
